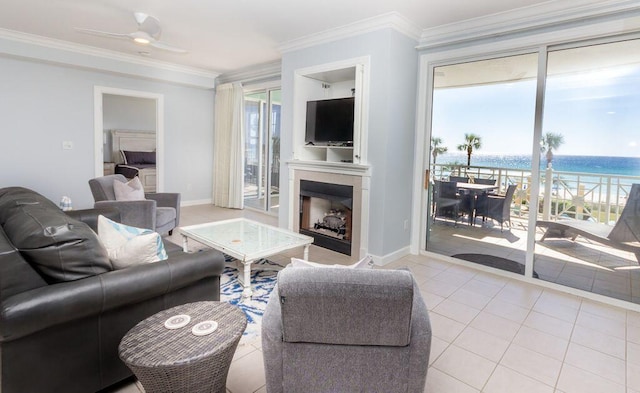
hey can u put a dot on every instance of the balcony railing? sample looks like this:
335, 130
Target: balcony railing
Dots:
585, 196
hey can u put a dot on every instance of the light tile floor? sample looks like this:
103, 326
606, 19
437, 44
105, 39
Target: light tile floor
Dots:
490, 333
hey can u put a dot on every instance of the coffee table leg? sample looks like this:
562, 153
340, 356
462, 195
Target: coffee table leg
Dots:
247, 292
306, 252
185, 243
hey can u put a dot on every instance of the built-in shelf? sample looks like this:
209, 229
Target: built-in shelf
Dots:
329, 153
336, 80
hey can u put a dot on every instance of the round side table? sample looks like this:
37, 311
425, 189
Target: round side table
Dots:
176, 360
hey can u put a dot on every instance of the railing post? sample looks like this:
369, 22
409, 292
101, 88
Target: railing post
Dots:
608, 202
548, 183
579, 202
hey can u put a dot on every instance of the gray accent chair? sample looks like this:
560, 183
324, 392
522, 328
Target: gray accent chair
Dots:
345, 330
160, 212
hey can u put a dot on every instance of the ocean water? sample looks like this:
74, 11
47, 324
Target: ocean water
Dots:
624, 166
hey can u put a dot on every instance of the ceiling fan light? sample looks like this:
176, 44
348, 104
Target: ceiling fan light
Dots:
142, 40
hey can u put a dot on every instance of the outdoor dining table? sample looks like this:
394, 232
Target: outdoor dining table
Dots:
474, 190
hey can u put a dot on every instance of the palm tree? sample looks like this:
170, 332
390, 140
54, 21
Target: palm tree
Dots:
436, 148
550, 141
471, 141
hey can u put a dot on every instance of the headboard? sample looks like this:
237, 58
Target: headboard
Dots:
131, 141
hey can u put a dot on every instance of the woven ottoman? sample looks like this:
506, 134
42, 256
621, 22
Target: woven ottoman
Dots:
176, 360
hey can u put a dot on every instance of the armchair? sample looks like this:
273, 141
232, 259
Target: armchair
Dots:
159, 212
345, 330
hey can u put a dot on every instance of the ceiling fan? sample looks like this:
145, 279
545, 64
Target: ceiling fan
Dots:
148, 33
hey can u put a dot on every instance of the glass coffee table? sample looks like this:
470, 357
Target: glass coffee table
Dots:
246, 241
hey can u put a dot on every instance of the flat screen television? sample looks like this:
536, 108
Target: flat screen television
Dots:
330, 121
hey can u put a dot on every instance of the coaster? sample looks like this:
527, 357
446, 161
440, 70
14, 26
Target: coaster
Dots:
204, 328
177, 321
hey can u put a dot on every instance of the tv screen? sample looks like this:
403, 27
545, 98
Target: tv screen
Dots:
330, 121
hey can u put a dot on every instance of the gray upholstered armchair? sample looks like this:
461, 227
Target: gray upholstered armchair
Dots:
159, 211
345, 330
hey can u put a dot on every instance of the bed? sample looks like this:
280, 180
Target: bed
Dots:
134, 153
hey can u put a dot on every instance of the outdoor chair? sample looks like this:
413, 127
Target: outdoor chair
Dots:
496, 207
485, 181
446, 202
459, 179
159, 212
624, 235
331, 329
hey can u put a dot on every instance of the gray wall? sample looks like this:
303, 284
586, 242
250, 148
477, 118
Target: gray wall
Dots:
42, 105
394, 63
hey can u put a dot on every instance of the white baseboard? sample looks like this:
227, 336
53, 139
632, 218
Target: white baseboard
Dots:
386, 259
197, 202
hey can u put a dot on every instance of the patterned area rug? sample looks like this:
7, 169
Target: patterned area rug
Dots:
262, 282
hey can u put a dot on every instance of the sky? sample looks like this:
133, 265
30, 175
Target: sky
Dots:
598, 113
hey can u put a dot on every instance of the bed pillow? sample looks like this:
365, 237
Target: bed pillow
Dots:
364, 263
138, 157
129, 191
128, 246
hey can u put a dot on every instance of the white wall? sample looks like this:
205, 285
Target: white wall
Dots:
42, 105
393, 81
128, 113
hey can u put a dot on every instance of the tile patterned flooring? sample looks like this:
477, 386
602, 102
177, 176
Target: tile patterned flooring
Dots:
490, 333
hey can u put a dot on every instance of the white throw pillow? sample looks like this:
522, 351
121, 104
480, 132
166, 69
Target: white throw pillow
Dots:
129, 191
364, 263
128, 246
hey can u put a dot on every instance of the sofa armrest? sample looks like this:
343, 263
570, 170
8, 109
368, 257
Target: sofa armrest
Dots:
420, 348
167, 199
43, 307
90, 216
141, 214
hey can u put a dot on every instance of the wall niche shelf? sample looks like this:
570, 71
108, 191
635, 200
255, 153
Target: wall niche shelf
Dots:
329, 81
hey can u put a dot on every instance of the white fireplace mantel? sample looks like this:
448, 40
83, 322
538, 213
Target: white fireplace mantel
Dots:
344, 168
355, 175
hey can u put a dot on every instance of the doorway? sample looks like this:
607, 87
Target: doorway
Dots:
151, 116
262, 150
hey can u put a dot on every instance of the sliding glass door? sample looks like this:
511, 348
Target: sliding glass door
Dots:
556, 133
592, 157
481, 146
262, 150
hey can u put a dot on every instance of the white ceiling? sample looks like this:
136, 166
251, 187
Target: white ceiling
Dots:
227, 35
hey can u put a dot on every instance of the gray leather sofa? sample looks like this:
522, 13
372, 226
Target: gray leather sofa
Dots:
64, 310
345, 330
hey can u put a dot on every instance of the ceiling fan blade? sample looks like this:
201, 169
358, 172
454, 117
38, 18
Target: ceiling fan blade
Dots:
148, 24
103, 33
164, 46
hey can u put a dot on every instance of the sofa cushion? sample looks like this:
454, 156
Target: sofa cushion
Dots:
129, 246
129, 191
57, 246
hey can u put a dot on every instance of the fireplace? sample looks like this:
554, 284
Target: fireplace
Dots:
337, 198
326, 212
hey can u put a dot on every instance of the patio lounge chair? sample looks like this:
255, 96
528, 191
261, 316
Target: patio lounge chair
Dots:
624, 235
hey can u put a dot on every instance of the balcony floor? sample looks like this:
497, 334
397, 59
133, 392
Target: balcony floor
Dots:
580, 264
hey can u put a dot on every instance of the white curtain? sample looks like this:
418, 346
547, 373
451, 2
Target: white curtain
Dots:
228, 149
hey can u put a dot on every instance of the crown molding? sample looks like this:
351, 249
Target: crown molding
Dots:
544, 15
86, 50
392, 20
252, 74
